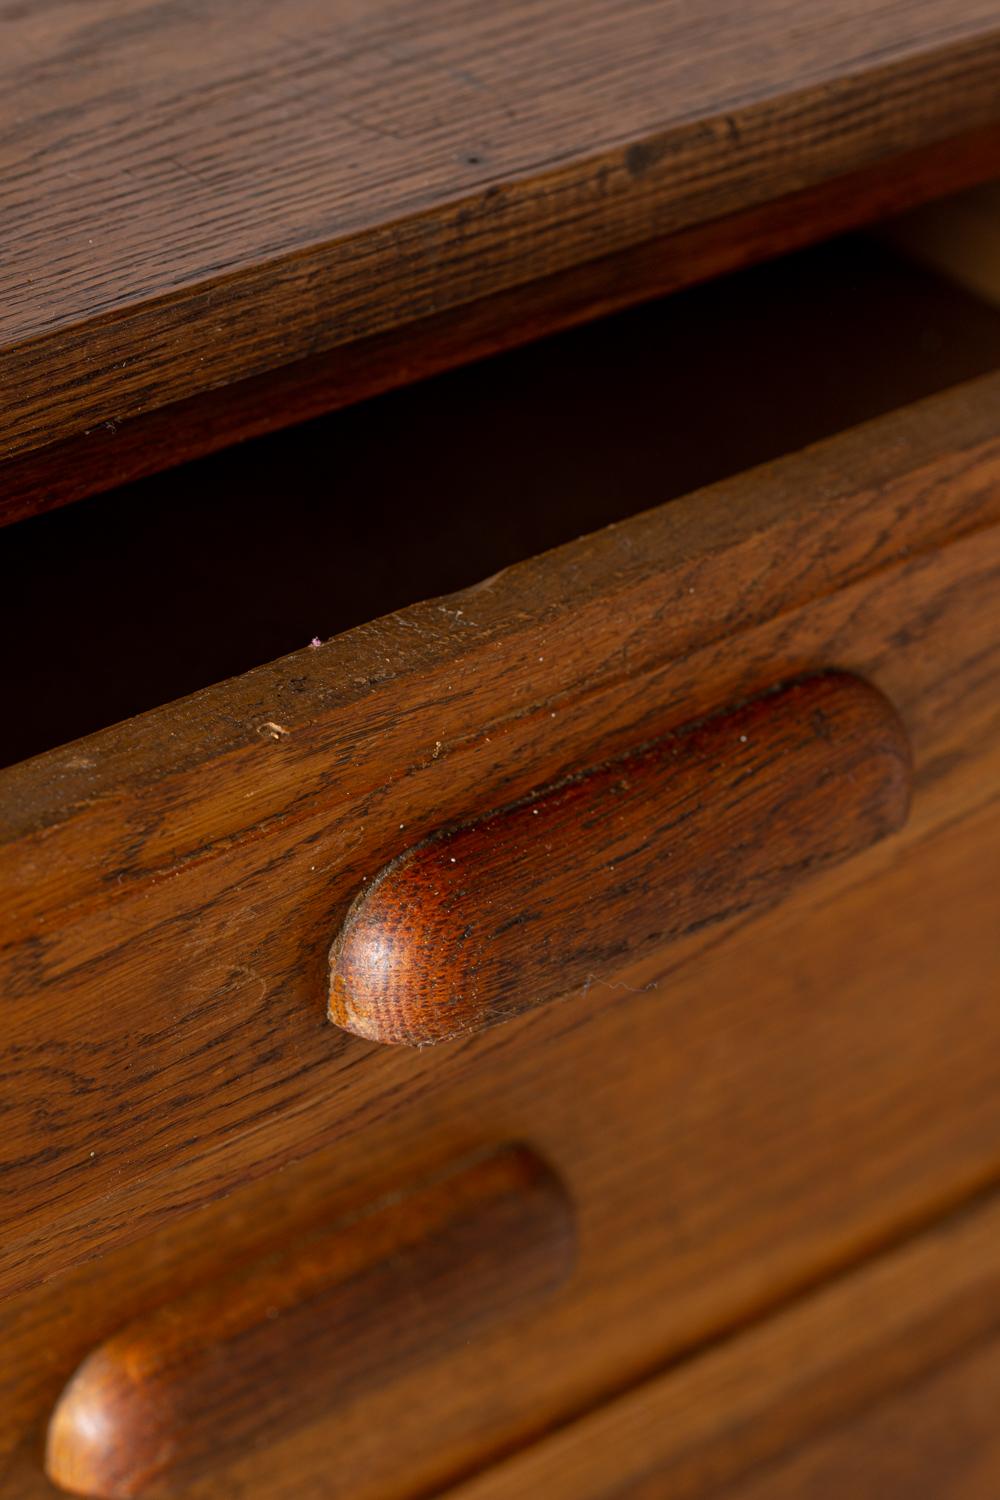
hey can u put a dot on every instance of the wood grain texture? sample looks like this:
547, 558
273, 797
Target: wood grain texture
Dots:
279, 1342
784, 1109
191, 197
883, 1384
171, 885
482, 922
937, 1437
125, 448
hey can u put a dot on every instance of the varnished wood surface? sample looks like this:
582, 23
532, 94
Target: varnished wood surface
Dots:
125, 448
936, 1439
729, 1138
194, 196
495, 917
282, 1341
171, 885
884, 1384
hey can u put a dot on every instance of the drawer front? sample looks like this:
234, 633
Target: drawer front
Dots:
939, 1438
173, 886
883, 1386
734, 1113
729, 1133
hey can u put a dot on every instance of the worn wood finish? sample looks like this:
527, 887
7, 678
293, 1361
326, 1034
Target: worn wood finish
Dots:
126, 448
901, 1359
726, 1139
171, 885
280, 1342
485, 921
191, 197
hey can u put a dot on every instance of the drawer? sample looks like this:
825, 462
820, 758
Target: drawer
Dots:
728, 1140
734, 1114
884, 1384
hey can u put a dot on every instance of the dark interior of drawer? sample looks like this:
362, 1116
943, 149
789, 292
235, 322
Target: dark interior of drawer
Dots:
141, 595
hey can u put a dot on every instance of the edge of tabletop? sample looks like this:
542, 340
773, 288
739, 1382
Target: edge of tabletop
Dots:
112, 364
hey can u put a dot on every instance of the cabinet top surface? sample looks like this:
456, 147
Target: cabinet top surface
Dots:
221, 188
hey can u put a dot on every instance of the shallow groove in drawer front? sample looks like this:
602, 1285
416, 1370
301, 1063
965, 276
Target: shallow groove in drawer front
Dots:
172, 885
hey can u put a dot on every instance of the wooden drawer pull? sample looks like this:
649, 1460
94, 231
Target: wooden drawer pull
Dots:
536, 901
281, 1341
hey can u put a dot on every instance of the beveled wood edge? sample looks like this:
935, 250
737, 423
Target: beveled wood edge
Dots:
90, 791
118, 360
118, 451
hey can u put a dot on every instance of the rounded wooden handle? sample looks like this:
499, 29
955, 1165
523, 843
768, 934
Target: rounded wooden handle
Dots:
241, 1362
541, 899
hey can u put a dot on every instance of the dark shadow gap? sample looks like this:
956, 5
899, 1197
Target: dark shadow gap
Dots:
132, 598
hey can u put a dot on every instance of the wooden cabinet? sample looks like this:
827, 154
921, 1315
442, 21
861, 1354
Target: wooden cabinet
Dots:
670, 812
883, 1382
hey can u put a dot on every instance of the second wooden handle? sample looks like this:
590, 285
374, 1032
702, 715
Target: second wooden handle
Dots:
493, 917
293, 1337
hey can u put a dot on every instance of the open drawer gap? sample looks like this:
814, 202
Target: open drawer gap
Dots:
141, 595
